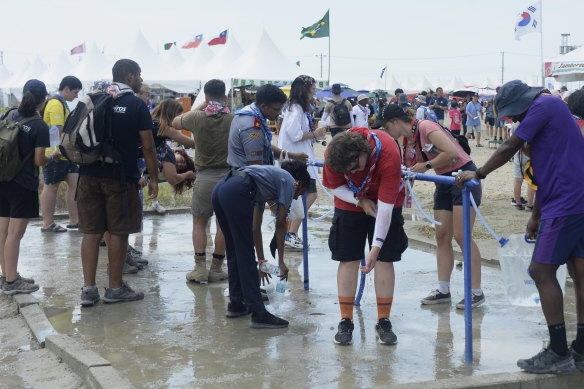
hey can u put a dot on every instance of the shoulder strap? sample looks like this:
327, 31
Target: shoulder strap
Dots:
418, 139
29, 119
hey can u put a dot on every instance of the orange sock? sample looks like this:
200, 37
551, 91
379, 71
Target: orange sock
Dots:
346, 304
384, 307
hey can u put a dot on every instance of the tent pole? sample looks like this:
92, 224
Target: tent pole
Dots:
541, 44
329, 57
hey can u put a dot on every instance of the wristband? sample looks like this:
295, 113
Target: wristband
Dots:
480, 175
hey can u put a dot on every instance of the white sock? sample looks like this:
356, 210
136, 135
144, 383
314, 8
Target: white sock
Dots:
477, 292
90, 287
154, 203
444, 287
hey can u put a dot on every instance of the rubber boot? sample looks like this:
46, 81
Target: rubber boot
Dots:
199, 273
215, 271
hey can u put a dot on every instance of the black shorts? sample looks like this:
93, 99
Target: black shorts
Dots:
17, 202
490, 121
446, 196
350, 231
312, 187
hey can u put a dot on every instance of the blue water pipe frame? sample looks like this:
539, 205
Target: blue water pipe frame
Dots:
466, 204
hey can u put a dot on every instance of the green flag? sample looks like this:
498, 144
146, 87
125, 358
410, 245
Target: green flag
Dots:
167, 46
319, 29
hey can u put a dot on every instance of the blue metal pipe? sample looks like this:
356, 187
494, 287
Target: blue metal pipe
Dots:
361, 285
467, 274
305, 243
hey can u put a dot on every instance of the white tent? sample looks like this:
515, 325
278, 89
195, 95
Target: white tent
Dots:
219, 66
568, 67
173, 58
196, 63
152, 66
63, 67
29, 71
93, 67
5, 74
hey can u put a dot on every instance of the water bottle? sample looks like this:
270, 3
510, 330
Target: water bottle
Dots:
54, 136
269, 268
281, 287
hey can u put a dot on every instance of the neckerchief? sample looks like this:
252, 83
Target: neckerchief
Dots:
364, 109
253, 110
360, 191
214, 107
414, 125
119, 88
62, 100
310, 125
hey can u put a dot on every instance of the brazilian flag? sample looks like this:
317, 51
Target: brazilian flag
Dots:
319, 29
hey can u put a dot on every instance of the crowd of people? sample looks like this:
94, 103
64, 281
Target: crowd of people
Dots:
237, 171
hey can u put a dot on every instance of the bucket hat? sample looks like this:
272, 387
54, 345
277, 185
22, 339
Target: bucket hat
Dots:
514, 98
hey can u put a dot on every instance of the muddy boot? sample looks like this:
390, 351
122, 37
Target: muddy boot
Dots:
215, 271
199, 273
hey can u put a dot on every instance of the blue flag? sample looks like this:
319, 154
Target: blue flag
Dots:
382, 71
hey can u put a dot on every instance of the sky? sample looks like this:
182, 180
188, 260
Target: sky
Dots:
435, 39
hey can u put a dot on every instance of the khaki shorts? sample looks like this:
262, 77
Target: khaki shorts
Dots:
203, 189
100, 207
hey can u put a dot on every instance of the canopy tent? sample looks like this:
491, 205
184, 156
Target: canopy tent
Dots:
568, 67
28, 71
225, 59
93, 67
63, 67
5, 74
152, 66
173, 58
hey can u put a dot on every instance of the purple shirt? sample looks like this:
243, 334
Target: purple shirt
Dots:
557, 156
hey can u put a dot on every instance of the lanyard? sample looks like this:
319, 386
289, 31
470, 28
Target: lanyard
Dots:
360, 191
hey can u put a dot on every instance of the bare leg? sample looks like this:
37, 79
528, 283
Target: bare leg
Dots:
444, 252
384, 279
475, 254
89, 255
550, 293
219, 240
576, 269
347, 277
70, 197
48, 200
117, 255
517, 190
200, 233
15, 232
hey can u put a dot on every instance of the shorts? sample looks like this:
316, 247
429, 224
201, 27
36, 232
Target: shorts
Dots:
100, 206
312, 186
500, 123
455, 132
559, 239
490, 121
17, 202
519, 162
475, 128
203, 189
447, 196
56, 172
350, 230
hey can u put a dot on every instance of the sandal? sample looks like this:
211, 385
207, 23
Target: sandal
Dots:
54, 228
73, 226
519, 207
529, 208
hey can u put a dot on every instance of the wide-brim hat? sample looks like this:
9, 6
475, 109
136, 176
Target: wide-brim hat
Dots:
514, 98
362, 97
388, 112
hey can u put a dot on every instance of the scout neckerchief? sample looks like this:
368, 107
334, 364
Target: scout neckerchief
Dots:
414, 125
310, 124
253, 110
117, 89
360, 191
215, 107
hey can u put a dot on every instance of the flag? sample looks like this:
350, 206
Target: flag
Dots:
193, 43
168, 46
219, 40
382, 71
529, 20
78, 49
319, 29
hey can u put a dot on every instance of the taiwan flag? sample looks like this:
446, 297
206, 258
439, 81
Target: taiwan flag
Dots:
193, 43
219, 40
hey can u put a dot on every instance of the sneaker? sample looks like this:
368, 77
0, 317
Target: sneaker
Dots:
122, 294
384, 333
266, 320
236, 309
293, 241
435, 297
159, 208
134, 252
136, 257
24, 279
476, 301
2, 281
102, 243
523, 201
264, 295
344, 335
578, 358
19, 286
548, 362
130, 262
89, 297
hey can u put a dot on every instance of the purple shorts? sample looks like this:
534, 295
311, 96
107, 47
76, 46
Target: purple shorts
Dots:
559, 239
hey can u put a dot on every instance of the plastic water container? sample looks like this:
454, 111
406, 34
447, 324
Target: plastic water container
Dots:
270, 268
515, 257
54, 136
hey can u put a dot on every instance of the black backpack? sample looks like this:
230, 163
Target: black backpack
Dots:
341, 115
461, 139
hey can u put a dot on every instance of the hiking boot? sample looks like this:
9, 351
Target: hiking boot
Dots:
266, 320
293, 241
136, 256
159, 208
215, 271
19, 286
89, 296
548, 362
435, 297
27, 280
236, 309
199, 273
476, 301
384, 333
130, 261
344, 335
578, 358
121, 294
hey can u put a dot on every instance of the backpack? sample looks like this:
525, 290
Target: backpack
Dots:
11, 162
341, 114
461, 139
429, 114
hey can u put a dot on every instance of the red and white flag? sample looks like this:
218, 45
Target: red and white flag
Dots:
219, 40
78, 49
193, 43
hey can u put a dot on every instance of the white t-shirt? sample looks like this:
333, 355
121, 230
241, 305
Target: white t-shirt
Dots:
361, 115
294, 125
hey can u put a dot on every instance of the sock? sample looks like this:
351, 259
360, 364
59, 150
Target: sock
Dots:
203, 254
346, 304
477, 292
444, 287
558, 341
218, 256
90, 287
384, 307
154, 203
578, 344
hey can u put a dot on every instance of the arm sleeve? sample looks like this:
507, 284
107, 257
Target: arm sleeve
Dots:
325, 116
344, 193
382, 223
292, 124
420, 114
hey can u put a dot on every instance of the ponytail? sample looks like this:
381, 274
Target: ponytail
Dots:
29, 104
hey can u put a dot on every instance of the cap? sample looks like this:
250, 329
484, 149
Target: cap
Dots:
514, 98
362, 97
421, 98
403, 100
336, 89
36, 87
388, 112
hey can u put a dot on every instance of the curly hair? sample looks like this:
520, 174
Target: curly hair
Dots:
165, 112
299, 92
190, 165
298, 171
576, 103
344, 150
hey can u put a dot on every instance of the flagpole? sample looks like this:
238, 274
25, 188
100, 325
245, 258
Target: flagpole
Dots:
329, 51
385, 76
541, 44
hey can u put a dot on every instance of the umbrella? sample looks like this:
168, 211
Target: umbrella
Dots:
346, 92
463, 92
